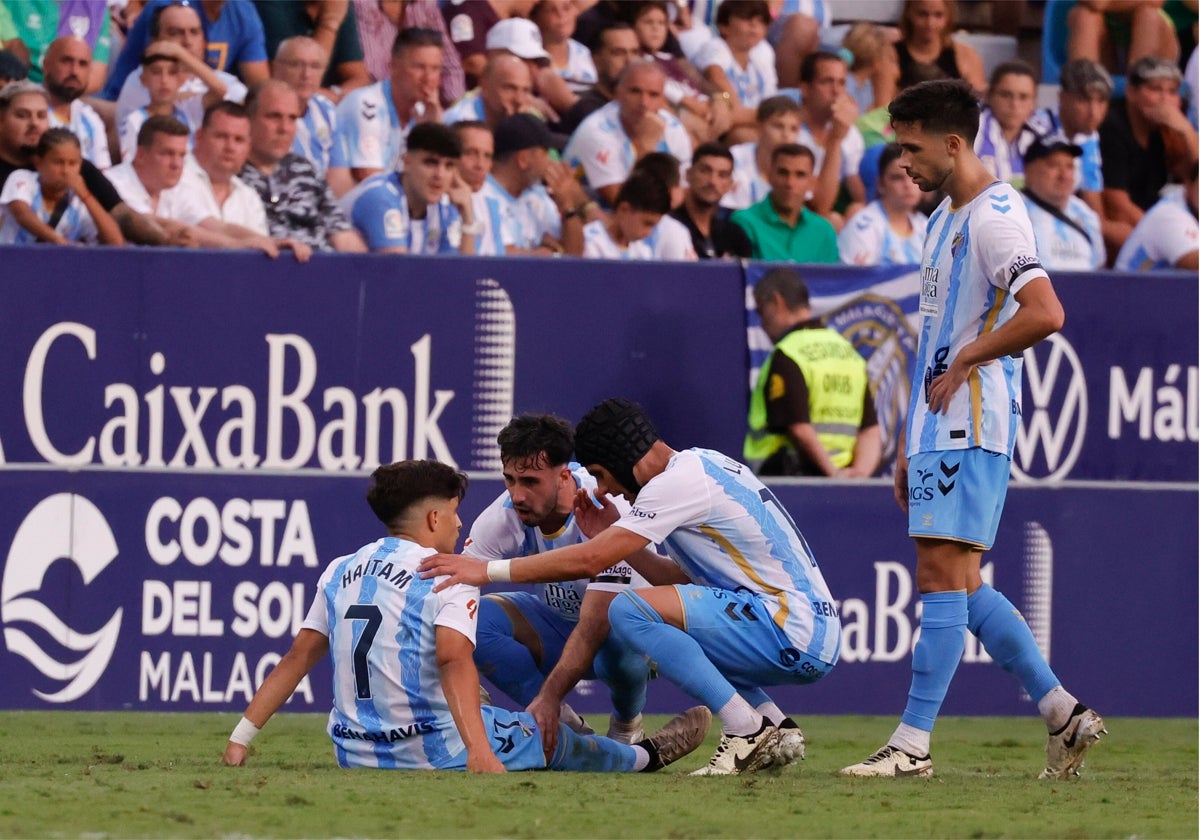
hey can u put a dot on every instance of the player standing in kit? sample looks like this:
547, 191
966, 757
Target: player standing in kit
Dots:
985, 299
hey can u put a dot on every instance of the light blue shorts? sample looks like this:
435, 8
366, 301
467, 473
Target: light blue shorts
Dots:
739, 637
516, 740
957, 494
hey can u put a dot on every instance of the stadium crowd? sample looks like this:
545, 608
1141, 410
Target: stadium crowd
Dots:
622, 130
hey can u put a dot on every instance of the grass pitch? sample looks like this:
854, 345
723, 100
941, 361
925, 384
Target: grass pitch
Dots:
66, 774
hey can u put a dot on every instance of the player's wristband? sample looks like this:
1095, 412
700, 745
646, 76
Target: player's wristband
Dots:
498, 571
244, 732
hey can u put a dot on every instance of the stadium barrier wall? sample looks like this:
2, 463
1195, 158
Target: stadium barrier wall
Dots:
183, 439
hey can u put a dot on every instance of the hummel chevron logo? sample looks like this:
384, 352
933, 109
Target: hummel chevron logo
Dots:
945, 488
732, 611
949, 469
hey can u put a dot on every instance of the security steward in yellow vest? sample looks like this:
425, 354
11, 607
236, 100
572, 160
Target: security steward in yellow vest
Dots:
811, 412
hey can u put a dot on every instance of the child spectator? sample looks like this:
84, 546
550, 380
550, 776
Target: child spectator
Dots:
162, 77
778, 123
641, 202
740, 62
53, 204
873, 68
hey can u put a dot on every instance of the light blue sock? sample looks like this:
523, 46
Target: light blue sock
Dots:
625, 672
1009, 641
677, 655
936, 656
590, 753
501, 658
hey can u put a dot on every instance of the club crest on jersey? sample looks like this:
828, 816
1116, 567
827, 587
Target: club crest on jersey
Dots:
956, 244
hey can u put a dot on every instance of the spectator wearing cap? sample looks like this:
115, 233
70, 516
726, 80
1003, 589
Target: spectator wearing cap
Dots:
780, 227
504, 89
1066, 230
374, 121
1085, 89
1166, 237
517, 200
610, 141
708, 179
469, 23
427, 208
520, 37
1144, 136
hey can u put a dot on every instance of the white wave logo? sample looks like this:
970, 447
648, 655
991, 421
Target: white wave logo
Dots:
62, 526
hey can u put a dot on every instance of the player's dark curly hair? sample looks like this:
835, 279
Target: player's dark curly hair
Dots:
940, 106
537, 440
395, 488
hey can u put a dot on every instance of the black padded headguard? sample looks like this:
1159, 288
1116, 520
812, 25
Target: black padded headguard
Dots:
615, 434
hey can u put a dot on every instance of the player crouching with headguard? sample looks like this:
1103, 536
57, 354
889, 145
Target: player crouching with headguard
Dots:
742, 606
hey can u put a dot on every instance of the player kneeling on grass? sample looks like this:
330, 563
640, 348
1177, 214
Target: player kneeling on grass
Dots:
406, 692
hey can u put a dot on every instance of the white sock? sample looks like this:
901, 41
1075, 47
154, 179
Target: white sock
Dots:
913, 741
641, 760
771, 712
1056, 707
738, 717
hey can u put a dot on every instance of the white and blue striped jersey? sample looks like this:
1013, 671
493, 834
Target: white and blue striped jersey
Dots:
754, 82
127, 137
76, 223
749, 186
87, 125
369, 132
1002, 158
868, 239
601, 146
539, 207
499, 534
381, 619
316, 133
597, 244
378, 209
489, 242
469, 108
1062, 248
977, 257
580, 72
505, 215
725, 529
1166, 233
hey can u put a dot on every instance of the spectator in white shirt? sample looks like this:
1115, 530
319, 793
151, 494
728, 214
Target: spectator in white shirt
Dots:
234, 215
778, 123
827, 115
1066, 230
1166, 237
66, 68
641, 201
608, 142
889, 230
301, 62
176, 32
741, 63
670, 239
150, 182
